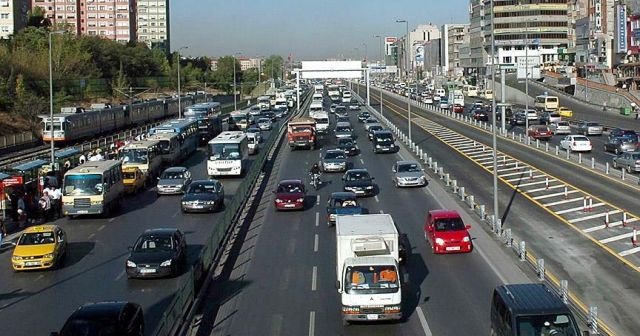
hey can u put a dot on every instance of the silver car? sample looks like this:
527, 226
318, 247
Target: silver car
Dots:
173, 181
334, 160
560, 127
630, 161
589, 128
408, 174
264, 124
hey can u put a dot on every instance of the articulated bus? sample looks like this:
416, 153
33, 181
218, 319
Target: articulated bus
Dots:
547, 103
228, 154
93, 188
144, 155
187, 132
470, 90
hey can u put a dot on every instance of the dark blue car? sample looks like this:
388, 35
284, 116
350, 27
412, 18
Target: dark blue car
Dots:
342, 203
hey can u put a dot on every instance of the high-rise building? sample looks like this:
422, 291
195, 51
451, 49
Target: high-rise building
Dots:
153, 23
13, 16
478, 57
112, 19
453, 36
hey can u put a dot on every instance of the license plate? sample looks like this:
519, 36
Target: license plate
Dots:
453, 248
83, 211
147, 270
32, 263
198, 206
289, 205
372, 316
359, 191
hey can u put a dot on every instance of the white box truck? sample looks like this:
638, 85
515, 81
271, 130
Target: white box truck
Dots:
322, 120
368, 275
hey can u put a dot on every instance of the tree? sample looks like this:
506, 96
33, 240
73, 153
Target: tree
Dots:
272, 66
249, 80
37, 17
223, 76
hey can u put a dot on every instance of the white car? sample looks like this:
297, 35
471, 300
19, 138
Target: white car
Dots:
576, 143
427, 99
264, 124
444, 104
560, 127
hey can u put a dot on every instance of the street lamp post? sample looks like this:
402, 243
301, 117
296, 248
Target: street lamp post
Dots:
51, 94
493, 128
381, 59
406, 64
179, 82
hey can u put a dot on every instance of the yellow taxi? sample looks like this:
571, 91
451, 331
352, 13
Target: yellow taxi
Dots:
39, 247
133, 179
565, 112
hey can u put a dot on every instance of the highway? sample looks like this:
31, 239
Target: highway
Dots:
283, 275
95, 268
596, 275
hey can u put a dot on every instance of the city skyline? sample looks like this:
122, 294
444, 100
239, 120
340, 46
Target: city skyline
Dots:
315, 30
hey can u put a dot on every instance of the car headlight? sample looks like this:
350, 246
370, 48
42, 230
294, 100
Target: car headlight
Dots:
166, 263
301, 199
466, 239
131, 264
378, 146
391, 309
278, 200
439, 241
210, 202
48, 256
16, 258
185, 203
369, 187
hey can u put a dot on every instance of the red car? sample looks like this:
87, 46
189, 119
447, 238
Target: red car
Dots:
446, 233
457, 108
540, 132
290, 195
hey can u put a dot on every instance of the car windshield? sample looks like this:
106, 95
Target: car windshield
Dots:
290, 188
334, 155
371, 279
221, 151
83, 185
172, 175
357, 176
449, 224
591, 124
560, 324
345, 142
342, 119
96, 326
408, 167
37, 238
201, 188
384, 137
343, 129
345, 203
563, 123
580, 138
264, 120
153, 244
134, 155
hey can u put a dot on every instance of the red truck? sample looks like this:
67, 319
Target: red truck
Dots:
301, 132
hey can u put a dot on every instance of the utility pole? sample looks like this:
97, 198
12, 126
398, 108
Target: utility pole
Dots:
406, 56
496, 213
381, 59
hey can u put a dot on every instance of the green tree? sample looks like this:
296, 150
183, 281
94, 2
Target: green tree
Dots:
249, 80
272, 66
223, 76
37, 17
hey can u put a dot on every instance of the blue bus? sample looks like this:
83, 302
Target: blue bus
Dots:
186, 131
209, 121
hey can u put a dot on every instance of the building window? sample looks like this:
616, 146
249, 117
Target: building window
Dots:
4, 16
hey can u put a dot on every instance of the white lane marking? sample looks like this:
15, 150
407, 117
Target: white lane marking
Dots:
314, 278
423, 321
602, 214
102, 227
569, 200
361, 161
618, 237
120, 275
312, 323
612, 224
376, 198
91, 235
545, 188
111, 219
315, 243
39, 277
534, 183
554, 194
629, 251
175, 214
580, 208
317, 219
318, 200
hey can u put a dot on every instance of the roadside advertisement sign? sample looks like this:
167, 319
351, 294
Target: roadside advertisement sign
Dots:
621, 29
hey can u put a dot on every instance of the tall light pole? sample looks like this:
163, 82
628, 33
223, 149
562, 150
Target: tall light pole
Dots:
53, 158
493, 119
406, 64
381, 59
179, 82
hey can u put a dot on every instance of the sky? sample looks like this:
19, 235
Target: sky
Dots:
306, 29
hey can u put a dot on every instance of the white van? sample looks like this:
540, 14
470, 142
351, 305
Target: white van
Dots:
322, 121
315, 107
346, 96
441, 92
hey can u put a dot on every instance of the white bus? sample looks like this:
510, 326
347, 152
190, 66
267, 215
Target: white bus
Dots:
470, 90
263, 103
546, 102
145, 155
228, 154
93, 188
456, 97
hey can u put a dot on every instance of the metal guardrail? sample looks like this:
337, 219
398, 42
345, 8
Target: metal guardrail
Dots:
174, 317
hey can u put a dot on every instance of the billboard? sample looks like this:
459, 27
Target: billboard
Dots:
377, 69
388, 44
533, 68
418, 49
331, 69
621, 29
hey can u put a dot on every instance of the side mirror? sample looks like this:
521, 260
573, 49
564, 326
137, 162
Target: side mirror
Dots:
393, 170
338, 287
467, 227
429, 228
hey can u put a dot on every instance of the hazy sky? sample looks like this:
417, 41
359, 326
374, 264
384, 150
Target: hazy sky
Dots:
307, 29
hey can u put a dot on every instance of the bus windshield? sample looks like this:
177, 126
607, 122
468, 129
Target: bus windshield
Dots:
134, 156
82, 185
222, 151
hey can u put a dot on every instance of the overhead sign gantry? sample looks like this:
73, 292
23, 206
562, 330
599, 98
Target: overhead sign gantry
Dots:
330, 70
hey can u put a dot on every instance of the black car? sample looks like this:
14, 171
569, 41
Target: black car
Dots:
362, 116
157, 253
359, 182
372, 129
270, 115
343, 119
348, 145
480, 115
105, 319
203, 196
341, 109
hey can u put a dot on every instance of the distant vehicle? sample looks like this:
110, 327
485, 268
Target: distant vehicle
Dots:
372, 128
621, 132
560, 127
470, 90
589, 128
332, 108
227, 154
456, 97
354, 105
630, 161
364, 115
576, 143
457, 108
342, 203
621, 144
322, 121
545, 102
408, 174
539, 132
264, 124
94, 187
548, 117
446, 232
444, 103
359, 182
203, 196
340, 109
173, 180
40, 247
486, 94
301, 132
289, 195
157, 253
565, 112
440, 93
384, 142
105, 318
133, 179
343, 130
480, 115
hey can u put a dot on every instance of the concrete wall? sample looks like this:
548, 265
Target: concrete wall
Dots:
593, 96
512, 95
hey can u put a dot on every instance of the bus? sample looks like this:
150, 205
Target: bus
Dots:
187, 131
169, 148
208, 117
238, 121
470, 90
93, 188
144, 155
263, 103
546, 102
228, 154
207, 109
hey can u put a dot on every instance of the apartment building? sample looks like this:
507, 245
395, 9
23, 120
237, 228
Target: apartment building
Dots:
478, 57
61, 13
453, 36
153, 23
13, 16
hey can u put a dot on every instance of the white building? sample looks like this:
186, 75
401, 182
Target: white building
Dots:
454, 36
153, 23
13, 16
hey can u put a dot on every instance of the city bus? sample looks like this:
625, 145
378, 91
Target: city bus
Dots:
263, 103
169, 148
208, 117
238, 121
228, 154
546, 102
187, 131
207, 109
470, 90
93, 188
144, 155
